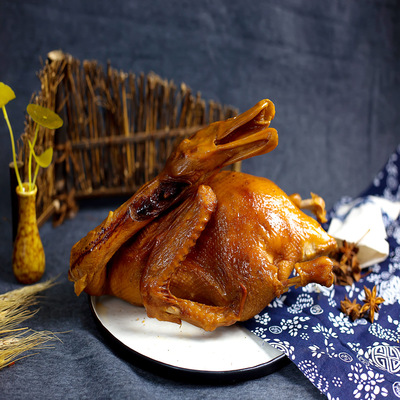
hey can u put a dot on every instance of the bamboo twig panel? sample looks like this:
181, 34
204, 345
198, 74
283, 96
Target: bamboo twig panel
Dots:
119, 129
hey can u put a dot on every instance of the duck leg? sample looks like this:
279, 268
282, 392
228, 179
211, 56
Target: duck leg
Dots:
315, 204
318, 271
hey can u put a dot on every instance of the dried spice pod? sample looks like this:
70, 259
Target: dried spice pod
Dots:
346, 266
351, 308
371, 303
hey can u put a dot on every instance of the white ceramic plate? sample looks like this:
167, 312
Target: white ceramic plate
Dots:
231, 351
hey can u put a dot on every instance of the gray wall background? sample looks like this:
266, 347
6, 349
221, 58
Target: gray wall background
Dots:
331, 68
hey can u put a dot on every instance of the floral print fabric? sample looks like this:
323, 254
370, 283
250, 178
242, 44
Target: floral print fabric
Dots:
345, 359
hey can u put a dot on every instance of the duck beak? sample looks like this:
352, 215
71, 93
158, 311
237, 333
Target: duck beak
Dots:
248, 134
256, 118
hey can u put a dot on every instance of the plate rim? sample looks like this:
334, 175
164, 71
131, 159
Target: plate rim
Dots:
181, 373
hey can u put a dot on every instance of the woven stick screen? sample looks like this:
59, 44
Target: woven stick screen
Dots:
119, 128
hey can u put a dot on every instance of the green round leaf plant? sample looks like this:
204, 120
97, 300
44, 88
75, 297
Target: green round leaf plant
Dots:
43, 117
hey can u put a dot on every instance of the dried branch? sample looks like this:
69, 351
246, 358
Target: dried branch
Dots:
107, 144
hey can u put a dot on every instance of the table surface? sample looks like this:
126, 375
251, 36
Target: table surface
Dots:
83, 364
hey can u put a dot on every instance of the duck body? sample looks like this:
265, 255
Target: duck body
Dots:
208, 247
234, 251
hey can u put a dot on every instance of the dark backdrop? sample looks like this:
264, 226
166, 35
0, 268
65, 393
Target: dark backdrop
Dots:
332, 69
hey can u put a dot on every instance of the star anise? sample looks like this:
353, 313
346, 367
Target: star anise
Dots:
342, 274
347, 251
371, 302
346, 267
351, 308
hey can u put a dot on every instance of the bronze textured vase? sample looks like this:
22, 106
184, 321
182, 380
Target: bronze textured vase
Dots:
28, 253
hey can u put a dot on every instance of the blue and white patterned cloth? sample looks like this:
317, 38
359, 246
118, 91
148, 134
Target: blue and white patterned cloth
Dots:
345, 359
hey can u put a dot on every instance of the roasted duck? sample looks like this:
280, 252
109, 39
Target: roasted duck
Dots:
206, 246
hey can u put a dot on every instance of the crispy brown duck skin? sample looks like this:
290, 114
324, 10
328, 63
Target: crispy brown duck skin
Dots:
195, 159
203, 246
223, 255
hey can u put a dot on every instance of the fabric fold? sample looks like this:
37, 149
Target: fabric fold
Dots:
344, 358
